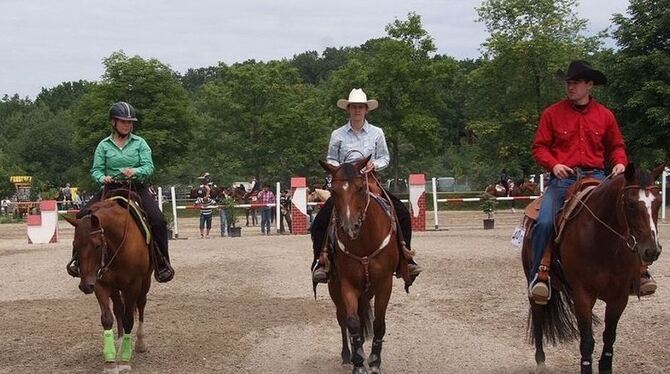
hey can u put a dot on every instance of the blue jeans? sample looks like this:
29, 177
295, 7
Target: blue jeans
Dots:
205, 220
223, 216
553, 199
266, 219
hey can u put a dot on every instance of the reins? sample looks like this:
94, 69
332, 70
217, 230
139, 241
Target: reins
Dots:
104, 266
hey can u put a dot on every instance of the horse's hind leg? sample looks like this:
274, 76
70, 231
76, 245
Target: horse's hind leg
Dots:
381, 303
537, 313
140, 343
612, 314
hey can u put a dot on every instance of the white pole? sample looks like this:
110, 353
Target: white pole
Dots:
435, 202
277, 208
160, 198
541, 183
664, 176
174, 212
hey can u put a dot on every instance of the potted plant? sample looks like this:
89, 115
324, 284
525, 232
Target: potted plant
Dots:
229, 205
488, 206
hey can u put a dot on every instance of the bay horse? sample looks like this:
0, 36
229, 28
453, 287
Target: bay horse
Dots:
214, 192
525, 188
241, 196
498, 190
114, 263
366, 256
606, 240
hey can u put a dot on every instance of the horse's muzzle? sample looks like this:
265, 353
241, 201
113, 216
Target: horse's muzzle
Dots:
651, 253
87, 288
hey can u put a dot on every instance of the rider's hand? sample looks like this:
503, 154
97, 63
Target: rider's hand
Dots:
368, 168
562, 171
618, 169
129, 172
107, 179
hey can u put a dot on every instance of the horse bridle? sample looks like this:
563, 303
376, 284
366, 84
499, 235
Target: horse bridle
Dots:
629, 239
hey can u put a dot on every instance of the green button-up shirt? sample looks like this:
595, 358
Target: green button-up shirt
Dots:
111, 160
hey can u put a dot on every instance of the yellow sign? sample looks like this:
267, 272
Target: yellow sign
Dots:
20, 179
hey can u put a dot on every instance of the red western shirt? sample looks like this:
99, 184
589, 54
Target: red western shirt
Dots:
574, 138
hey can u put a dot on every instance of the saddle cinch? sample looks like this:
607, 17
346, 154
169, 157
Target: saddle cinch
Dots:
575, 196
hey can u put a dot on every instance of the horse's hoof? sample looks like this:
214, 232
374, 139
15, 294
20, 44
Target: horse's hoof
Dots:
359, 370
110, 368
124, 368
346, 361
541, 369
141, 347
375, 370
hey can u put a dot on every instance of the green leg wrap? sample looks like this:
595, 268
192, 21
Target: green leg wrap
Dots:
126, 348
109, 348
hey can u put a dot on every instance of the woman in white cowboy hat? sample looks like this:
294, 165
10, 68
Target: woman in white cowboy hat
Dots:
357, 139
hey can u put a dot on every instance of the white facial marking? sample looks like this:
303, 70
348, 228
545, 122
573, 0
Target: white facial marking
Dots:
348, 213
647, 198
341, 245
345, 186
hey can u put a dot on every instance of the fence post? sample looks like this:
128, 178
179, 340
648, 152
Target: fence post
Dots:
417, 201
160, 198
663, 184
434, 185
299, 220
174, 212
277, 208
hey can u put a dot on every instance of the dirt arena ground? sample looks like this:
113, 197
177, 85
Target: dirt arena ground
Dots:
244, 305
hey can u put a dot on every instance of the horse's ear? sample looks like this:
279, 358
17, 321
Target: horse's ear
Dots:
95, 221
630, 172
72, 221
658, 170
328, 167
360, 164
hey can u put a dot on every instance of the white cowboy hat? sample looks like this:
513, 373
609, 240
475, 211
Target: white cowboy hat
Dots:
357, 96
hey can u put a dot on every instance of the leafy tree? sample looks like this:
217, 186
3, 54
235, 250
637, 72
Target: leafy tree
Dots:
64, 96
640, 78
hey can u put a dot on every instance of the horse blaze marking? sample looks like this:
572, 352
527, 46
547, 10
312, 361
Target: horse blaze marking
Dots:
647, 198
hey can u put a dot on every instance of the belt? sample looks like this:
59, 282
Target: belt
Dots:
587, 169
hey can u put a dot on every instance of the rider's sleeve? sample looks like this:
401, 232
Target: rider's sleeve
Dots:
98, 168
333, 156
381, 157
146, 167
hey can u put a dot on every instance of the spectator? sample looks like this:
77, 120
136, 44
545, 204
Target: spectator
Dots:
67, 196
205, 203
285, 206
224, 214
5, 206
266, 197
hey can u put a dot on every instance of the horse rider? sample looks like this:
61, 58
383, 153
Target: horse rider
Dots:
206, 183
504, 181
124, 155
355, 140
576, 132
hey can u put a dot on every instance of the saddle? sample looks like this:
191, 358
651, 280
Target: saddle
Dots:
136, 212
575, 197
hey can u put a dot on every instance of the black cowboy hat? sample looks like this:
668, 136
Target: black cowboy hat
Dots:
580, 69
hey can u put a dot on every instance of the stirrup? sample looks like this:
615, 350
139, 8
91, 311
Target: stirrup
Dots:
540, 292
164, 274
319, 275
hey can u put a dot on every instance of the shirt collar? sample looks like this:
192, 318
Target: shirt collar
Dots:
365, 128
130, 138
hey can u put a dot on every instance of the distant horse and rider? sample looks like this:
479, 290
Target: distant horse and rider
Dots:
362, 260
116, 257
605, 235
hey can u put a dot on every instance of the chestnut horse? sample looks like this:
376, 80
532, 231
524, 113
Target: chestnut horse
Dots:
604, 243
114, 263
366, 255
498, 190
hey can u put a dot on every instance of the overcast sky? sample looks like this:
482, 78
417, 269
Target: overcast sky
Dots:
46, 42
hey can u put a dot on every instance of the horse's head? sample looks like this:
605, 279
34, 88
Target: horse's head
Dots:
350, 193
88, 246
641, 202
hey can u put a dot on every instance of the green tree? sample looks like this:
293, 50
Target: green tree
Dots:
640, 78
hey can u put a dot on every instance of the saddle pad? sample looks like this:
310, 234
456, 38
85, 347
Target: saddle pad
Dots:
137, 213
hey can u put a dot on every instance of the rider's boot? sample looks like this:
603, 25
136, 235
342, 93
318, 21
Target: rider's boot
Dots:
164, 271
647, 282
319, 273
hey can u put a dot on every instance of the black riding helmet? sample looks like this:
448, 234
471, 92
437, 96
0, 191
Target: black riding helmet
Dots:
123, 110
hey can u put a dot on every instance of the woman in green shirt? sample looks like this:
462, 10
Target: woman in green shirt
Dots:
126, 156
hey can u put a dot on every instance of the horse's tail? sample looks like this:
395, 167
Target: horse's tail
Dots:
366, 315
555, 322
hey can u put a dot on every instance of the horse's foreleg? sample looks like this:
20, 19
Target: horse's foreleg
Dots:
140, 344
103, 295
584, 312
381, 303
350, 297
613, 312
117, 305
